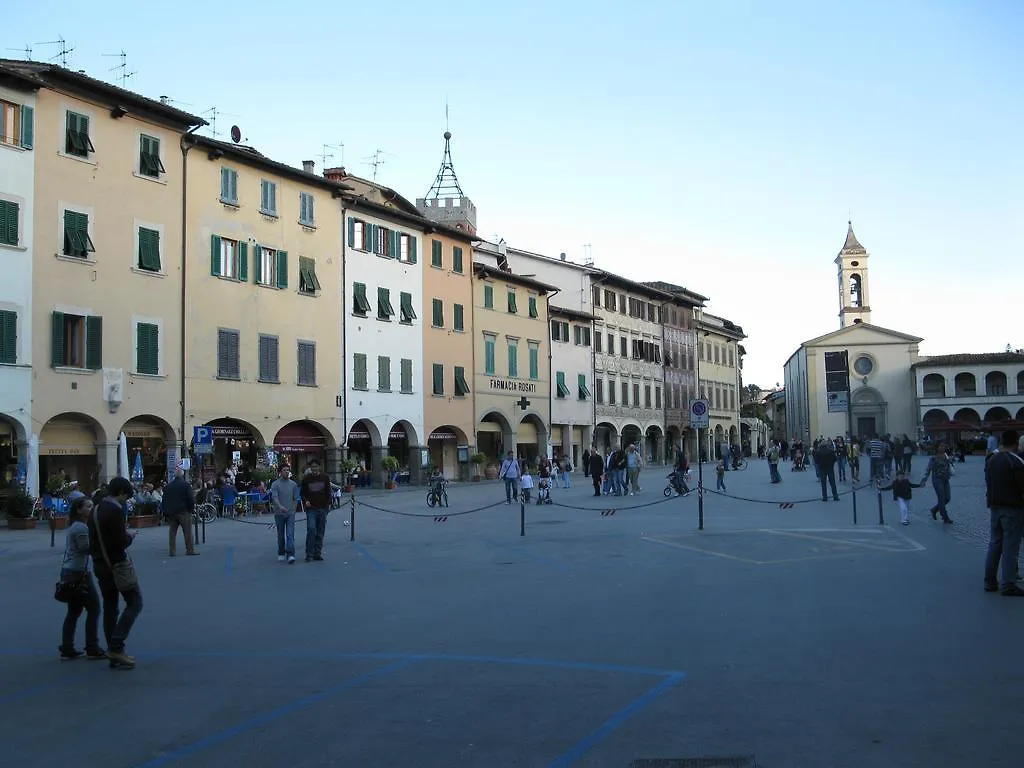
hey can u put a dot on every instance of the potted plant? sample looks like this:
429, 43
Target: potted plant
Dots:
347, 468
477, 459
144, 516
390, 465
19, 511
491, 469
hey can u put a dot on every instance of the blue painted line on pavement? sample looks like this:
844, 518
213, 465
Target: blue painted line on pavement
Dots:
530, 554
229, 559
591, 740
4, 551
35, 690
373, 560
268, 717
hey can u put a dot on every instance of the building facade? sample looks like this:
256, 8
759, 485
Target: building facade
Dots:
628, 365
107, 275
512, 376
720, 353
18, 437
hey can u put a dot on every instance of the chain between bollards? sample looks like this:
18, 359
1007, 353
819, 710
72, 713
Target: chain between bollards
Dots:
522, 517
352, 518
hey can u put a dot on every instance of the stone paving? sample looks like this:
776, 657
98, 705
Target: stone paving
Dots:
596, 639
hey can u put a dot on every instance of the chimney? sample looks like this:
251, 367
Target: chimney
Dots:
561, 256
307, 166
335, 174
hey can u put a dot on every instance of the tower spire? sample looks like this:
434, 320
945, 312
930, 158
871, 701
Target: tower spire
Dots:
445, 202
447, 183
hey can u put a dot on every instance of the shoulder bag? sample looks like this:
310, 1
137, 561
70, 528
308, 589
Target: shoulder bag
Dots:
125, 578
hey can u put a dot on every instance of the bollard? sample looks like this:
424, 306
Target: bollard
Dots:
352, 518
854, 494
204, 530
195, 527
881, 514
53, 529
522, 518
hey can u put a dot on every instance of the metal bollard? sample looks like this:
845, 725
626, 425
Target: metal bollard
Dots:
854, 495
522, 518
881, 514
204, 530
195, 527
352, 518
53, 529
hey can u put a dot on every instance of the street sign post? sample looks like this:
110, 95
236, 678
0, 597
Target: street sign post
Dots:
202, 440
700, 414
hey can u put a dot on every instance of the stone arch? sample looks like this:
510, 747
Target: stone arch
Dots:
934, 385
995, 383
148, 437
364, 429
305, 434
229, 421
531, 442
1020, 415
965, 385
606, 435
630, 433
673, 442
75, 443
406, 427
935, 419
856, 291
494, 434
654, 443
15, 428
867, 396
997, 413
968, 416
442, 450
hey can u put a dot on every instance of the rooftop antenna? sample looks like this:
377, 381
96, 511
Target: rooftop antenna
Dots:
376, 161
588, 258
168, 100
213, 112
447, 183
27, 50
123, 67
64, 51
324, 155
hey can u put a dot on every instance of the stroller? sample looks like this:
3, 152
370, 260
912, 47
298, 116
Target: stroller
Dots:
544, 491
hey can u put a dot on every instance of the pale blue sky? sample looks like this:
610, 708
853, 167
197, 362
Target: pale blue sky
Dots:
720, 145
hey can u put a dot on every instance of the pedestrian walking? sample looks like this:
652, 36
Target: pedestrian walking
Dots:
109, 540
77, 582
940, 469
825, 462
284, 500
510, 472
854, 455
720, 474
773, 464
566, 472
315, 492
618, 463
634, 462
596, 470
841, 458
876, 450
586, 463
1004, 496
901, 492
179, 502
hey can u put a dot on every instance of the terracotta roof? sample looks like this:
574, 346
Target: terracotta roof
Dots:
249, 155
852, 244
971, 358
554, 311
486, 270
678, 290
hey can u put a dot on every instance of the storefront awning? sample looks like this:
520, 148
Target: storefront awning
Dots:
67, 438
442, 434
299, 437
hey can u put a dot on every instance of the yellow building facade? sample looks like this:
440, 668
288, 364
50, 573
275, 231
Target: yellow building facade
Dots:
263, 333
107, 279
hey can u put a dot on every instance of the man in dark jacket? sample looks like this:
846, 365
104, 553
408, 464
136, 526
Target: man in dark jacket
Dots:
179, 503
109, 540
596, 470
825, 461
1004, 496
315, 491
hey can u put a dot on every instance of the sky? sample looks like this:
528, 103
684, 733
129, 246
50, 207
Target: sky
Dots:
721, 146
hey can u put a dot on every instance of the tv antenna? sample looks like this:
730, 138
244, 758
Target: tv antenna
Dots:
27, 50
325, 155
376, 160
588, 258
214, 113
123, 67
168, 100
64, 51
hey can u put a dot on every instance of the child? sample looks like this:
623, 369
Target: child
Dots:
720, 471
900, 488
526, 484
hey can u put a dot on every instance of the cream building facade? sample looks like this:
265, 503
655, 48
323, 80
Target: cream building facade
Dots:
720, 360
262, 336
107, 276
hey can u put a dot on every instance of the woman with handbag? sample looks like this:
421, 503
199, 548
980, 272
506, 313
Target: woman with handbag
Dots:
76, 587
109, 539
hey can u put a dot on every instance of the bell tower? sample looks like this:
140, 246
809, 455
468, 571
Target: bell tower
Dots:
852, 263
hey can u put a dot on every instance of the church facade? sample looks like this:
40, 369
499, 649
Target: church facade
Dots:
882, 391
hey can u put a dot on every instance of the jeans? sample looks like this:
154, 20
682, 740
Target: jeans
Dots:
773, 471
619, 481
904, 505
828, 474
316, 526
117, 624
720, 485
88, 601
877, 468
942, 495
566, 480
184, 521
1006, 526
285, 533
841, 463
511, 489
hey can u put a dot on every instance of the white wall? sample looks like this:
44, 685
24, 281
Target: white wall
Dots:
572, 360
797, 406
17, 184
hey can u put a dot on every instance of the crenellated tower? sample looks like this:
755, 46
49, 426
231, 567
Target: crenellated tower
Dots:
445, 201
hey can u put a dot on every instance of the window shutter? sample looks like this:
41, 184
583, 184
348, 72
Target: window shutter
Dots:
243, 261
282, 269
457, 259
560, 383
8, 337
394, 240
93, 342
351, 233
27, 127
8, 222
215, 255
141, 348
412, 249
406, 375
438, 308
459, 319
374, 234
57, 340
438, 375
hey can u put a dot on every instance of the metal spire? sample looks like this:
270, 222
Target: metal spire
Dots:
447, 183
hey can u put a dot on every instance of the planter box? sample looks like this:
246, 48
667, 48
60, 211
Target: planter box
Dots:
60, 522
390, 486
348, 488
21, 523
143, 521
476, 478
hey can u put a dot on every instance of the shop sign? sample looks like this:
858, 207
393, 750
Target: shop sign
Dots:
511, 385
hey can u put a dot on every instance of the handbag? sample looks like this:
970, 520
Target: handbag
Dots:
125, 578
67, 591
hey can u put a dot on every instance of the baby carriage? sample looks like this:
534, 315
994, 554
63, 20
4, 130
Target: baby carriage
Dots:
544, 491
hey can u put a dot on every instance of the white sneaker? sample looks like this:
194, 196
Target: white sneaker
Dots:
280, 558
291, 559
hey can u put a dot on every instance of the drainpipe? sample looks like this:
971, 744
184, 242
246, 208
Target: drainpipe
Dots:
186, 145
547, 332
344, 334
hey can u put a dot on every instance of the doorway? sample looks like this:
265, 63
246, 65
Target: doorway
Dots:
866, 426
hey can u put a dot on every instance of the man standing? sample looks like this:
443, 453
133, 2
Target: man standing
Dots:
316, 495
1004, 495
109, 541
596, 469
586, 462
510, 473
876, 450
179, 503
634, 463
617, 461
825, 461
284, 498
773, 463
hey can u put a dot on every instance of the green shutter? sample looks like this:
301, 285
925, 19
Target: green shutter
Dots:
438, 371
458, 320
489, 297
243, 262
93, 342
489, 363
457, 259
57, 340
374, 235
8, 222
412, 249
513, 360
351, 233
27, 127
149, 249
533, 306
257, 257
395, 244
215, 255
282, 269
534, 362
8, 337
435, 253
560, 379
512, 303
147, 355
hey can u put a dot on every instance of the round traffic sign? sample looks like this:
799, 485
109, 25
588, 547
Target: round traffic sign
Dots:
698, 408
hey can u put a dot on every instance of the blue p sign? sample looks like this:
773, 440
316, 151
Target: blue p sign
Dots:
202, 436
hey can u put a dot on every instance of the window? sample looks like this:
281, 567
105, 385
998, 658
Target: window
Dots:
732, 360
647, 395
657, 397
407, 315
438, 379
16, 124
359, 371
436, 260
147, 348
622, 303
306, 355
598, 342
609, 300
384, 308
458, 318
461, 387
8, 337
306, 210
149, 157
532, 306
490, 341
406, 374
76, 136
9, 222
625, 393
488, 297
229, 258
437, 313
534, 351
229, 186
512, 302
652, 312
268, 198
623, 346
268, 359
636, 395
513, 358
560, 389
77, 242
308, 282
406, 248
581, 386
582, 335
360, 304
227, 355
457, 259
717, 354
599, 390
597, 296
384, 374
559, 330
357, 235
149, 249
266, 262
77, 341
611, 392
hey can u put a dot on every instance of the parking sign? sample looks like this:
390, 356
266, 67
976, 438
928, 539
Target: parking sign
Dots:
202, 440
700, 414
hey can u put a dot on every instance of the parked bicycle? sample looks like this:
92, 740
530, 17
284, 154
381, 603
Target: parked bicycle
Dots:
437, 496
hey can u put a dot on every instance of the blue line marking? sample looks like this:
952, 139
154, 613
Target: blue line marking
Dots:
530, 554
43, 688
229, 559
373, 560
268, 717
4, 551
584, 745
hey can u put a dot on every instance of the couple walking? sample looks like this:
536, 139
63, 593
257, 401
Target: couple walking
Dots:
286, 496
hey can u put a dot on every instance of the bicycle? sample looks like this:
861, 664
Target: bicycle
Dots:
739, 466
205, 512
437, 496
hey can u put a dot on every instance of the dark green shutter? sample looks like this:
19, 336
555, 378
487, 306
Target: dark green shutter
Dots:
257, 257
215, 255
412, 249
149, 249
282, 269
394, 244
93, 342
146, 340
438, 372
438, 313
243, 262
435, 253
57, 340
351, 233
8, 337
458, 318
374, 235
533, 306
8, 222
27, 127
457, 259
